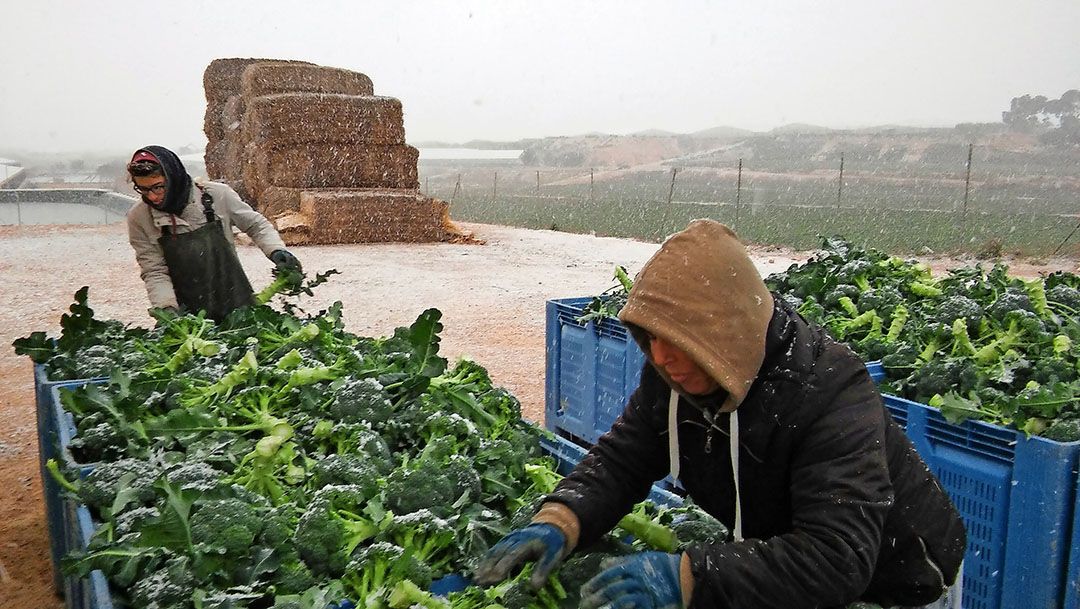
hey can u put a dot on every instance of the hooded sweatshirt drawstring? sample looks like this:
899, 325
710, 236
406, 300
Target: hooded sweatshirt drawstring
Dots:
733, 444
673, 434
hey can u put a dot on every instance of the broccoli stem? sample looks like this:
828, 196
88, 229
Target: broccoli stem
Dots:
900, 317
271, 290
54, 470
407, 594
651, 533
919, 288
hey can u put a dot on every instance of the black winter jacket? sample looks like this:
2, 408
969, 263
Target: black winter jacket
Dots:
836, 504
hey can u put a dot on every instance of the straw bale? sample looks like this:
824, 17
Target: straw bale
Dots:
268, 79
221, 80
300, 118
222, 77
329, 164
214, 157
212, 123
370, 216
276, 201
232, 114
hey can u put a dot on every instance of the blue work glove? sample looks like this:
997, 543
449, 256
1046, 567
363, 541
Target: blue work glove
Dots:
649, 580
283, 259
541, 542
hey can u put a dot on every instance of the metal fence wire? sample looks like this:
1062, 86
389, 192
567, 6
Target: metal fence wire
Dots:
987, 213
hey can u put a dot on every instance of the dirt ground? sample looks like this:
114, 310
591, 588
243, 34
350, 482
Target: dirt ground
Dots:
492, 297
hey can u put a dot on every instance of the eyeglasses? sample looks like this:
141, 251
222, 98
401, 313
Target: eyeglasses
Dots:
156, 189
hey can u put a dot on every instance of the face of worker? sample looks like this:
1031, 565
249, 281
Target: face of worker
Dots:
680, 368
152, 188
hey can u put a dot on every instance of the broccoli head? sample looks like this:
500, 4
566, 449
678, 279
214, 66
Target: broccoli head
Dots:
956, 307
693, 525
901, 362
109, 479
279, 527
431, 538
292, 577
170, 586
881, 299
98, 439
333, 525
197, 476
131, 521
352, 438
1012, 299
1048, 370
832, 299
1064, 295
432, 483
362, 400
1063, 430
225, 526
95, 361
376, 569
941, 375
350, 469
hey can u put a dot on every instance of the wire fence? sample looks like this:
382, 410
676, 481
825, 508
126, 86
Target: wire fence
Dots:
900, 209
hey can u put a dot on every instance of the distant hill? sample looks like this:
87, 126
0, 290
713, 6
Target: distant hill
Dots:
796, 147
800, 128
653, 133
721, 133
479, 144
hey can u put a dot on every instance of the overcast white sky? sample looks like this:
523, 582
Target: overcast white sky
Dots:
81, 76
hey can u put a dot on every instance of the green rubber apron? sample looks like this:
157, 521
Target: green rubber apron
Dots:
204, 268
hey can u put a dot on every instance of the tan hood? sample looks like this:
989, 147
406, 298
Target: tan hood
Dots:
702, 293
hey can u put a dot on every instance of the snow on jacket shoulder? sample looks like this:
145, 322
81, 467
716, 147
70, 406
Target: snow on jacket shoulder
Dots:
145, 228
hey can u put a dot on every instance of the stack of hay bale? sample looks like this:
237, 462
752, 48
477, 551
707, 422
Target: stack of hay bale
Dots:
317, 153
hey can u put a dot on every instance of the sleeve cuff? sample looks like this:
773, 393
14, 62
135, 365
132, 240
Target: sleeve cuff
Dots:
686, 579
564, 519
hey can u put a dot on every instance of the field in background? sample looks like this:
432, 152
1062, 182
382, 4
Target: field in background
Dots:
1029, 215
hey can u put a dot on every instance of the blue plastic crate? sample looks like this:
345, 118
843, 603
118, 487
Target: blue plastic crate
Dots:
1072, 581
876, 370
898, 408
1017, 497
91, 592
48, 448
591, 371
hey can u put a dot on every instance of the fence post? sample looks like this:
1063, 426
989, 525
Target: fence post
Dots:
592, 187
738, 195
840, 188
537, 181
457, 188
495, 187
18, 211
967, 180
671, 191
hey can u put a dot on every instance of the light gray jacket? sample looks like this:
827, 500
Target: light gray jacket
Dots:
145, 223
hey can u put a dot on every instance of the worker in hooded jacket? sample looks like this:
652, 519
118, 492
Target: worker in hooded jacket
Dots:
183, 240
773, 428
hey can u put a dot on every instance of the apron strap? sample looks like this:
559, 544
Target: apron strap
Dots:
207, 204
208, 211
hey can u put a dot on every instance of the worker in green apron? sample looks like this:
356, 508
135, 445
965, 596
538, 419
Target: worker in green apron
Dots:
183, 240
